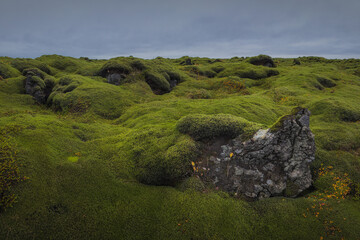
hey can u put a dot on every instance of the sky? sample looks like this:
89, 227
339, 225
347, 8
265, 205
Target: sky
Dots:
173, 28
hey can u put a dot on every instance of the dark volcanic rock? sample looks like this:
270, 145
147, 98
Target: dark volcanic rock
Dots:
36, 86
273, 162
115, 78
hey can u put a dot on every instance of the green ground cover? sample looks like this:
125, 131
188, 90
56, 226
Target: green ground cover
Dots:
99, 161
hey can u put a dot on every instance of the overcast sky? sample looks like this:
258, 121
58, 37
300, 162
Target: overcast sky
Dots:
175, 28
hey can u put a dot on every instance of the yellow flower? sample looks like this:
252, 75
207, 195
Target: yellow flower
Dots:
231, 154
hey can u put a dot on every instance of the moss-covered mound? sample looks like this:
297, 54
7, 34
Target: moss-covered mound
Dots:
7, 71
263, 60
201, 126
244, 70
115, 66
22, 64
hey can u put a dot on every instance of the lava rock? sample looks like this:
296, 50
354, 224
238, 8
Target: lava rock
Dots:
274, 162
37, 86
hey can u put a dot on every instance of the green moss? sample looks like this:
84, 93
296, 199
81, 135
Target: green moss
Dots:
38, 81
9, 167
115, 66
245, 70
60, 62
291, 189
199, 94
22, 64
157, 82
201, 126
296, 61
73, 159
70, 87
334, 108
34, 72
261, 60
192, 184
65, 81
218, 68
138, 64
326, 82
177, 162
279, 123
7, 71
128, 136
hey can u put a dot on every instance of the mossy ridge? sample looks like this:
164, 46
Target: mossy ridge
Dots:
246, 70
22, 64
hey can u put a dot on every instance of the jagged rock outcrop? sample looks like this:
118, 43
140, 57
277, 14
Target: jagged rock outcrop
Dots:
273, 162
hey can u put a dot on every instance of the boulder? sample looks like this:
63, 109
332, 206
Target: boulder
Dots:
274, 162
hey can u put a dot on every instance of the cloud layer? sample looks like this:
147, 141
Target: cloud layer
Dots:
169, 28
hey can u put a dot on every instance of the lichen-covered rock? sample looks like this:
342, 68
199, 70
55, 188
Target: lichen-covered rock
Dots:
273, 162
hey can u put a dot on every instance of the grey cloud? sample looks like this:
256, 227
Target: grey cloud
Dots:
169, 28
